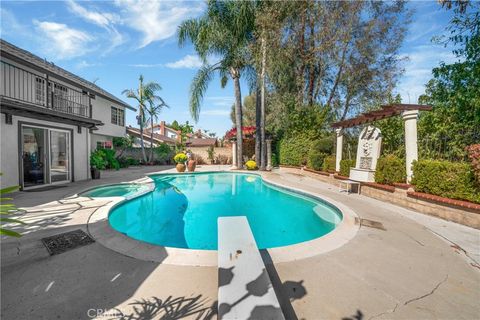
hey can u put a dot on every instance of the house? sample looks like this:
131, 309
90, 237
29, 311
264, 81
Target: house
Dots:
163, 130
157, 138
50, 121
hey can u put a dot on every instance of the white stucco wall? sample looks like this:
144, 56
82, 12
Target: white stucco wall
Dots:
9, 143
101, 110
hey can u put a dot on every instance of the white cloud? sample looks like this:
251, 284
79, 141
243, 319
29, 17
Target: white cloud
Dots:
216, 112
188, 62
61, 41
104, 20
146, 65
220, 101
85, 64
156, 20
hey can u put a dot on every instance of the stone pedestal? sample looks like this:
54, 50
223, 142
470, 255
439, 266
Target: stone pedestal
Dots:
338, 154
269, 155
368, 151
234, 155
411, 148
364, 175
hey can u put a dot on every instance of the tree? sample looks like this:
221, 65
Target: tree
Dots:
248, 111
154, 108
144, 95
223, 32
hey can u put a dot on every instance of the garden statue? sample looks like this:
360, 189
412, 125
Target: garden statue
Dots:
368, 151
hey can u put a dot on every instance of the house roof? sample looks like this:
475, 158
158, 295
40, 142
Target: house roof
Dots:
200, 142
15, 53
157, 138
385, 112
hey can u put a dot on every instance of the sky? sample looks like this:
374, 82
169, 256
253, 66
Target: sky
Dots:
112, 42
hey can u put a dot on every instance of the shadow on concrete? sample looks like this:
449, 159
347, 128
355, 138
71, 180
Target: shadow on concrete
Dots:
356, 316
170, 308
287, 291
68, 285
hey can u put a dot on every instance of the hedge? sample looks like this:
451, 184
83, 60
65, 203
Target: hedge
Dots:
317, 154
453, 180
293, 151
345, 166
390, 169
329, 163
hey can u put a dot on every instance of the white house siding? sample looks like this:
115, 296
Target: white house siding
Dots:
101, 110
9, 161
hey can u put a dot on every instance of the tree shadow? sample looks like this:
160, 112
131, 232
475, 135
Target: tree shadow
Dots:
170, 309
287, 291
356, 316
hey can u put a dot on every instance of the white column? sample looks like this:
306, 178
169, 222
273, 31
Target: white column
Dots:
411, 148
234, 155
269, 155
338, 154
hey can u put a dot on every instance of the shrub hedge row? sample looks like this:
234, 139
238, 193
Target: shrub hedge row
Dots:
453, 180
293, 151
329, 163
345, 166
390, 169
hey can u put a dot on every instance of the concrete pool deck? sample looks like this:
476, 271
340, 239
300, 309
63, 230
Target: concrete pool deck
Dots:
405, 271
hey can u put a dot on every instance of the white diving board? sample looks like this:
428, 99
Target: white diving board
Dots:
244, 287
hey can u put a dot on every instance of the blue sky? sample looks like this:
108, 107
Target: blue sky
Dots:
112, 42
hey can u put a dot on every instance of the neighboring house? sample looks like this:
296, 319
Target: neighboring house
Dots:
157, 138
50, 120
163, 130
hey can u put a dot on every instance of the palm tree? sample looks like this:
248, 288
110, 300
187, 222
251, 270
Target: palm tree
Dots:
223, 32
143, 95
153, 111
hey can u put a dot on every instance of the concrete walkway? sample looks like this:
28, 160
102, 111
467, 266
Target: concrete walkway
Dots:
403, 272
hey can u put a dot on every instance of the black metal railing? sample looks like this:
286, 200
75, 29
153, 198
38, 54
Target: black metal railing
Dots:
23, 85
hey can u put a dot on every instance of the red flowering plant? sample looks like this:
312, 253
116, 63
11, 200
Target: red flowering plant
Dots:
247, 132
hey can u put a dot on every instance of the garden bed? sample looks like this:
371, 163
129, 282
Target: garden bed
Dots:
438, 199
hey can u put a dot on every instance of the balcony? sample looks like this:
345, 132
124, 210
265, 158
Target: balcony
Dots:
30, 88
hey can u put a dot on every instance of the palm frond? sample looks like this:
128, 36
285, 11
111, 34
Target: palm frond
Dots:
198, 88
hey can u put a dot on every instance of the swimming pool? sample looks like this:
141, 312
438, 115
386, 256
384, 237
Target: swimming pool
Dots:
183, 209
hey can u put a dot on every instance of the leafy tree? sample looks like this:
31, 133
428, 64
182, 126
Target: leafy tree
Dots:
248, 111
153, 109
144, 95
454, 91
223, 32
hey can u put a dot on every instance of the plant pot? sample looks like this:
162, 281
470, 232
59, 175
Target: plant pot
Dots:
95, 173
180, 167
191, 165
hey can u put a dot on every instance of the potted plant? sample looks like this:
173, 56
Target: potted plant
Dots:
97, 163
211, 154
180, 159
251, 165
191, 163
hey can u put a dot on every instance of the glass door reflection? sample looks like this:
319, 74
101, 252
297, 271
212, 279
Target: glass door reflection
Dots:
33, 156
59, 156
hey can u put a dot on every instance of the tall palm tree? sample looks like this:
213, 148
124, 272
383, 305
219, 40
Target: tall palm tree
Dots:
224, 33
144, 95
153, 109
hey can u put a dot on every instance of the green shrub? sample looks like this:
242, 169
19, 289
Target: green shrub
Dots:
329, 163
453, 180
97, 159
110, 159
294, 150
316, 155
345, 166
324, 145
163, 153
132, 161
390, 169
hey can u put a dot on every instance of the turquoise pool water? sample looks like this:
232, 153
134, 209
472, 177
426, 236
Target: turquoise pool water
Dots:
116, 190
183, 210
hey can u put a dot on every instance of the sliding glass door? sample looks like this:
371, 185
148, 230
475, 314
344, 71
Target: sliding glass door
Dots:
46, 156
34, 153
59, 156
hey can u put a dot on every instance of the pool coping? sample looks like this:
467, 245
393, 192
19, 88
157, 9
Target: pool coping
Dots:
99, 228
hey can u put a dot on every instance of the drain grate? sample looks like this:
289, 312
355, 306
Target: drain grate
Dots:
370, 224
64, 242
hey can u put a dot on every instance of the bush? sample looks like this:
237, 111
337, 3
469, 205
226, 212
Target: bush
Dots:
453, 180
132, 161
316, 155
345, 166
97, 159
474, 156
163, 153
180, 158
110, 159
390, 169
251, 165
294, 150
329, 164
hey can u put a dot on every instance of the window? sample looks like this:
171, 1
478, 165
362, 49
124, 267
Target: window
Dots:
39, 90
118, 116
104, 144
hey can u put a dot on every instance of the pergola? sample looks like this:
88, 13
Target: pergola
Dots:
409, 113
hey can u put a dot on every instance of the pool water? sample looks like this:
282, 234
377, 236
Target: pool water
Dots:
116, 190
183, 210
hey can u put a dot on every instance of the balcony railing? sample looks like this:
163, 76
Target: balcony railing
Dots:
23, 85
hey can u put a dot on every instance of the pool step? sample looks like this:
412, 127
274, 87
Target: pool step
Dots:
244, 288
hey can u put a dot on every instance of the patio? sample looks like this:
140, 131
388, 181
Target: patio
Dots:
413, 269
